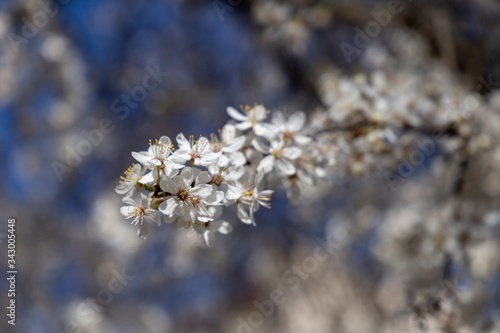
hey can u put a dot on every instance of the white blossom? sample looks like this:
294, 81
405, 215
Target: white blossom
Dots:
133, 175
197, 152
157, 154
140, 212
252, 118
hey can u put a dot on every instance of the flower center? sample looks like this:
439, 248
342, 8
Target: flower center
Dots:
182, 195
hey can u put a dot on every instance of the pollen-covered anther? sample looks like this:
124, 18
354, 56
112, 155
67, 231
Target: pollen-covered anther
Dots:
217, 180
128, 174
195, 201
182, 195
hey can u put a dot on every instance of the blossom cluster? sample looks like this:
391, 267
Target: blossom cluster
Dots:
192, 183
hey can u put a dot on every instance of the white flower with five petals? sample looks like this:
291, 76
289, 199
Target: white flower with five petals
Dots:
190, 195
252, 118
279, 156
158, 154
133, 175
198, 152
290, 129
229, 145
249, 197
140, 212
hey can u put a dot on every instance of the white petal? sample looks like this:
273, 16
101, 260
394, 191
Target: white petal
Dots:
169, 219
243, 215
128, 199
168, 207
223, 161
202, 144
207, 158
225, 228
213, 169
259, 111
302, 139
233, 192
234, 145
279, 120
165, 140
258, 178
228, 132
292, 153
236, 115
144, 158
124, 188
277, 144
205, 219
234, 173
209, 238
214, 198
244, 125
203, 178
215, 212
153, 215
180, 156
143, 231
266, 164
182, 142
238, 158
261, 146
136, 170
296, 121
167, 184
144, 201
202, 190
285, 167
307, 176
187, 175
174, 162
265, 130
127, 210
148, 178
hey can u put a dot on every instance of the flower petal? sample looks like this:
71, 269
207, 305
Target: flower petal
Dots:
296, 121
124, 188
144, 158
209, 238
265, 130
168, 207
203, 178
153, 216
285, 167
202, 190
266, 164
243, 215
236, 115
165, 140
225, 228
127, 211
143, 231
238, 158
144, 201
292, 153
234, 145
228, 133
187, 175
261, 146
182, 142
244, 125
168, 185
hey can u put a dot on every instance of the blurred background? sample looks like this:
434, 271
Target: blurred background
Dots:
138, 70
